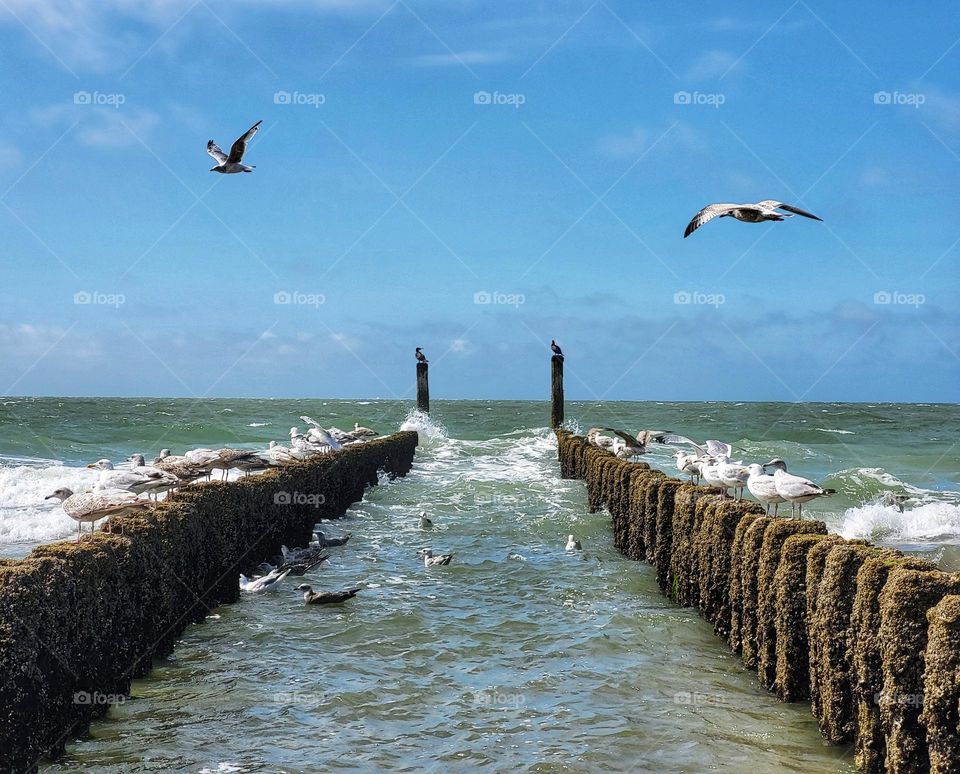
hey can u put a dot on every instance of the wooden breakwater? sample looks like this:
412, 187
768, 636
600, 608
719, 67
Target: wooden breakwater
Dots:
870, 637
79, 621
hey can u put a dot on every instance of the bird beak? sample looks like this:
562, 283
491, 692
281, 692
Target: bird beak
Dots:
49, 497
91, 465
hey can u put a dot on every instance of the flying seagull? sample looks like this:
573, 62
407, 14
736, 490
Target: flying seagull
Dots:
748, 213
421, 358
229, 165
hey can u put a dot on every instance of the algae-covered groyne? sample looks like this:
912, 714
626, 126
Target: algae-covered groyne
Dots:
79, 621
870, 637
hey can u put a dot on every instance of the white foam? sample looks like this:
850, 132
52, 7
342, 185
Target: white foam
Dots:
838, 432
24, 515
429, 431
875, 521
258, 424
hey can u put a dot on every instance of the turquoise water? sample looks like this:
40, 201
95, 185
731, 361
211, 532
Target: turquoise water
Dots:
517, 656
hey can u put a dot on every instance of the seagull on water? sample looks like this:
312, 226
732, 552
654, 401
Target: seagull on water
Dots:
424, 522
429, 560
795, 489
268, 582
763, 486
748, 213
572, 544
311, 597
229, 165
329, 542
421, 358
93, 506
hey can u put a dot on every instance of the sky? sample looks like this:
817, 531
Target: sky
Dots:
478, 178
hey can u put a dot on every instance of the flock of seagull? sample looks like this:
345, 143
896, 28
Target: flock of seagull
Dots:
712, 464
120, 490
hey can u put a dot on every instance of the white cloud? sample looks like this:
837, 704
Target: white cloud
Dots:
460, 58
712, 65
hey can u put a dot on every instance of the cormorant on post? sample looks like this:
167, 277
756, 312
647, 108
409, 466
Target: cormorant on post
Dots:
421, 358
556, 349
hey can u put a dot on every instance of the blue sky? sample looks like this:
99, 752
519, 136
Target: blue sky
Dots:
476, 179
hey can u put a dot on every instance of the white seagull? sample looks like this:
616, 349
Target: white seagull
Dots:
690, 464
429, 560
733, 474
93, 506
796, 490
748, 213
763, 486
572, 543
268, 582
139, 480
229, 165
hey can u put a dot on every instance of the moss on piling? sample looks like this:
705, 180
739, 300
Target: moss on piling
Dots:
791, 612
644, 513
689, 505
78, 621
906, 598
667, 492
749, 591
941, 694
866, 673
736, 586
829, 633
771, 551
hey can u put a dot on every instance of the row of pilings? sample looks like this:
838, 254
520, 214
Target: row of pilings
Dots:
869, 636
80, 621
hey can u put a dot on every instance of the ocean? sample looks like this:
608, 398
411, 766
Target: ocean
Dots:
518, 655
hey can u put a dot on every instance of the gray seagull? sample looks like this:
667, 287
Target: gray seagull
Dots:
748, 213
228, 165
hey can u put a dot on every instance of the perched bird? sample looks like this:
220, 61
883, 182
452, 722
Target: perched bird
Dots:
183, 468
733, 475
421, 358
634, 446
429, 560
312, 597
363, 432
93, 506
424, 522
748, 213
595, 437
316, 434
268, 582
689, 463
796, 490
763, 487
139, 480
572, 543
709, 472
556, 349
706, 449
231, 164
327, 542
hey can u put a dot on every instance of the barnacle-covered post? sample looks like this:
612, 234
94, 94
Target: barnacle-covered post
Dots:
423, 388
556, 391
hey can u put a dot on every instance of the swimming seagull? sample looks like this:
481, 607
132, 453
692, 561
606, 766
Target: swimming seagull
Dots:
326, 542
748, 213
556, 349
796, 490
421, 358
93, 506
231, 164
268, 582
429, 560
311, 597
572, 543
424, 522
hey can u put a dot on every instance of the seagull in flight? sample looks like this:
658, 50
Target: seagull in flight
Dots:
748, 213
231, 164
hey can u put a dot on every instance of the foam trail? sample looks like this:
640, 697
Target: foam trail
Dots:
875, 521
430, 432
24, 515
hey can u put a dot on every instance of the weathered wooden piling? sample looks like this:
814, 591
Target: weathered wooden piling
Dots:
556, 391
423, 388
941, 694
79, 621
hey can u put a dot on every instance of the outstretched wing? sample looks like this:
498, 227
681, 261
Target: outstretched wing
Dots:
775, 205
629, 439
718, 448
240, 146
707, 214
214, 150
680, 440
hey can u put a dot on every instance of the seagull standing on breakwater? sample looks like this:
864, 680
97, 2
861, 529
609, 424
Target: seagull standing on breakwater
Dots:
93, 506
795, 489
138, 480
748, 213
421, 358
763, 486
229, 165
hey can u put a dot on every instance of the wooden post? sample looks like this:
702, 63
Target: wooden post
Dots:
556, 391
423, 389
